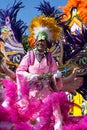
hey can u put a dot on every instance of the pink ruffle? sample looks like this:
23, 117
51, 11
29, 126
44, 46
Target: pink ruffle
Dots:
10, 90
21, 112
80, 124
22, 126
4, 114
28, 109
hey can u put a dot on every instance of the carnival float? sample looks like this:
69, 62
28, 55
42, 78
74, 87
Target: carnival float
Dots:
11, 47
11, 31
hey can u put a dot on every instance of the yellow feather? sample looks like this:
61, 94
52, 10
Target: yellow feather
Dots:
45, 22
52, 49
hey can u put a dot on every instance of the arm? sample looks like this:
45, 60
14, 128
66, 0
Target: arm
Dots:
72, 82
7, 71
23, 76
23, 68
21, 73
70, 77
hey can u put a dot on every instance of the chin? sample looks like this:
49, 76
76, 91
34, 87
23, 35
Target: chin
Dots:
41, 50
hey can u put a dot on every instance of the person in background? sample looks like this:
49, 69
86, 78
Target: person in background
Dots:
5, 72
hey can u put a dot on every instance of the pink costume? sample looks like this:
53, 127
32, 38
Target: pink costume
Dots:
31, 88
27, 77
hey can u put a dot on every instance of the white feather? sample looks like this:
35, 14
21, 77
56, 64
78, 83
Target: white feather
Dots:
42, 29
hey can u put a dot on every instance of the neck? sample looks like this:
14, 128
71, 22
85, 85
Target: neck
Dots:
40, 52
39, 55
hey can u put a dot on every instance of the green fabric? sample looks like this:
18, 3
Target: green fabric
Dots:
42, 36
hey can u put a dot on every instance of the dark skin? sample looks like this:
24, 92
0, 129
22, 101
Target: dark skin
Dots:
41, 45
6, 69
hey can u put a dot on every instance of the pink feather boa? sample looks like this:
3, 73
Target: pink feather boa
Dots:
22, 113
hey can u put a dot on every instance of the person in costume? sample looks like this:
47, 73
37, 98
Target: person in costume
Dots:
40, 76
42, 34
5, 72
40, 81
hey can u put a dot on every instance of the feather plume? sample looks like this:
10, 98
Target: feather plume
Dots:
45, 24
9, 16
43, 29
48, 10
81, 6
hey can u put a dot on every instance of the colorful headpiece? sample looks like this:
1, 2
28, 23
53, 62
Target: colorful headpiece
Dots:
42, 27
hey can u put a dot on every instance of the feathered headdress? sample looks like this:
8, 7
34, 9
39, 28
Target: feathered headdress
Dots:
42, 26
9, 17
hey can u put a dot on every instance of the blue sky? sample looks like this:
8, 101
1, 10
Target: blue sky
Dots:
29, 11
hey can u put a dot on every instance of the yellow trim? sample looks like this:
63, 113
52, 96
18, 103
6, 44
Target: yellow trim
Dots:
77, 111
75, 20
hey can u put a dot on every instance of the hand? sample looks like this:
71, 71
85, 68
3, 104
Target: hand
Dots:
32, 77
46, 76
57, 75
40, 77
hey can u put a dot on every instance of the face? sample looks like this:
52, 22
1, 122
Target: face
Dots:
41, 45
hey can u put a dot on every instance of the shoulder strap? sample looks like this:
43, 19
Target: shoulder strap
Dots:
49, 58
31, 57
